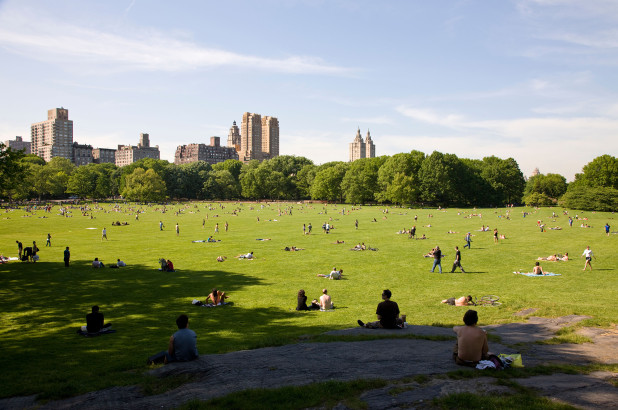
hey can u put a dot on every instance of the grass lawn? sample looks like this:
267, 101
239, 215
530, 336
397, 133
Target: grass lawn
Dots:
43, 303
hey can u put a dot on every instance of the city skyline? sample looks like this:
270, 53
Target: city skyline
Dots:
528, 79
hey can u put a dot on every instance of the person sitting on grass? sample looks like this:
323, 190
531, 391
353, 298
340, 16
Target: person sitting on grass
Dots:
302, 302
462, 301
183, 344
388, 314
471, 345
96, 263
217, 297
334, 274
95, 322
326, 302
221, 258
537, 270
120, 264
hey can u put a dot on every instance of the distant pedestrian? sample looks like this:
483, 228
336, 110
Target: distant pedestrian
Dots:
309, 227
20, 248
48, 242
356, 224
588, 254
496, 234
67, 256
226, 226
35, 249
570, 222
304, 229
217, 227
413, 232
437, 259
160, 225
203, 223
607, 227
468, 239
457, 262
177, 229
103, 234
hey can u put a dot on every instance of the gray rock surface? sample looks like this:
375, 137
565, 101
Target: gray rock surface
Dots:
390, 359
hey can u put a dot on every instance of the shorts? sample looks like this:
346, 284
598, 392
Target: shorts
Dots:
450, 301
588, 258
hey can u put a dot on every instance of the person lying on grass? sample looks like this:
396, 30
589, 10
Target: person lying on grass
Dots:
293, 249
462, 301
221, 258
334, 274
246, 256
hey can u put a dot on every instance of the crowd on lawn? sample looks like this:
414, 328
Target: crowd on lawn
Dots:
470, 348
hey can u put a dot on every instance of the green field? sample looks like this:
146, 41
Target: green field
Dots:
43, 303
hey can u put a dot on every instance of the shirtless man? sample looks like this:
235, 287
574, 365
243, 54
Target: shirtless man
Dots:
462, 301
325, 301
537, 270
471, 345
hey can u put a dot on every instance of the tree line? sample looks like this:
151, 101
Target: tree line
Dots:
404, 179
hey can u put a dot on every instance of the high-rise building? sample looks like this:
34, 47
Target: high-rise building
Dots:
360, 148
270, 137
259, 137
212, 153
233, 137
18, 144
128, 154
54, 137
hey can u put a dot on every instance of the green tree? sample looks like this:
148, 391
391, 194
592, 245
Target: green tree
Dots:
221, 184
397, 179
601, 172
254, 181
144, 185
550, 185
304, 180
505, 178
438, 179
360, 183
234, 166
83, 182
11, 170
327, 182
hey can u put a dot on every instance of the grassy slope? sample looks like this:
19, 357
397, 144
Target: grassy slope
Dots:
43, 303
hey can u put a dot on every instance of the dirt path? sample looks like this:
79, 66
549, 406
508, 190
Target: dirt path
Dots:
389, 359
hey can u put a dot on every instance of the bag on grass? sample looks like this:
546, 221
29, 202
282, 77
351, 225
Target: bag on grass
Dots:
514, 360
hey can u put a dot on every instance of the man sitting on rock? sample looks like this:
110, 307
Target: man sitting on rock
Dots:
471, 345
388, 314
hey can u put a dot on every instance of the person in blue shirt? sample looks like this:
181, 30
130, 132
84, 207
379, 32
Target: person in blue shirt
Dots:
183, 343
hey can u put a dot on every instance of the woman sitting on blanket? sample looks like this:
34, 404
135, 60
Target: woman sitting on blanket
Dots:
217, 297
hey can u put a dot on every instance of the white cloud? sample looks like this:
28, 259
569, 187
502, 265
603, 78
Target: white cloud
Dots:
369, 120
144, 50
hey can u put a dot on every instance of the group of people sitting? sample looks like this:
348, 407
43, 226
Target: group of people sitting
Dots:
293, 249
216, 298
96, 263
118, 223
166, 265
471, 345
324, 303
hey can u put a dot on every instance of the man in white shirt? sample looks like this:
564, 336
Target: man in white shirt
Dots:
588, 254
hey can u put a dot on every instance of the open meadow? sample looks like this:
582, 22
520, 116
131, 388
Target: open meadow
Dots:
44, 303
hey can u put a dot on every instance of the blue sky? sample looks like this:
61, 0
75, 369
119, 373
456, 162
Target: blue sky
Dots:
535, 80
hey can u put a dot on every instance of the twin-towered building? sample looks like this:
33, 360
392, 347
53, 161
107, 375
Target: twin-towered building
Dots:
362, 149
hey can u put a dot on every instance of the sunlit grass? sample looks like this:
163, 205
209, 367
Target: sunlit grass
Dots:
44, 303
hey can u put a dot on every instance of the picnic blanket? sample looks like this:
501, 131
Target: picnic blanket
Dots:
533, 274
86, 334
200, 303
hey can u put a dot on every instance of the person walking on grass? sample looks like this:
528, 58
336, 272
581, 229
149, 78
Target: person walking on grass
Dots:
48, 241
160, 225
588, 254
468, 239
104, 234
20, 248
437, 259
457, 262
177, 229
607, 228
